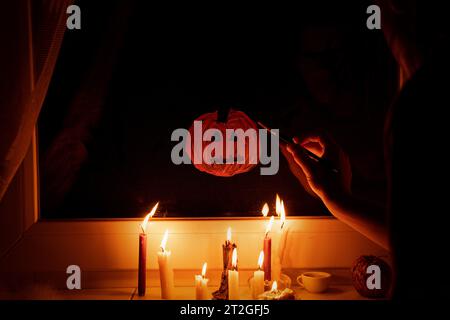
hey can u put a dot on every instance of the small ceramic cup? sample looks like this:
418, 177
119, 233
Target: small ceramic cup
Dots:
314, 281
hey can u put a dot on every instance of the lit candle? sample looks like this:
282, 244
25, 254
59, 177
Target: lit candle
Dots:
274, 287
227, 249
267, 247
142, 270
281, 238
165, 269
258, 277
279, 211
277, 204
265, 210
275, 294
233, 278
201, 285
283, 231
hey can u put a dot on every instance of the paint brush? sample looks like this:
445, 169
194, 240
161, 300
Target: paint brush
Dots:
324, 162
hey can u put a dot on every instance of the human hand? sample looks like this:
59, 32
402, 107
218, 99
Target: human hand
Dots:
325, 183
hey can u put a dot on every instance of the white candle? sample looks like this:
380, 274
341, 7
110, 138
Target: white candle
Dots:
277, 238
276, 268
233, 278
283, 232
258, 278
280, 239
165, 269
201, 285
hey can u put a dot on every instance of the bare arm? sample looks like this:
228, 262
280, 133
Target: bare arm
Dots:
362, 216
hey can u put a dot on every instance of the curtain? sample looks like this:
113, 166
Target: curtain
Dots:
31, 33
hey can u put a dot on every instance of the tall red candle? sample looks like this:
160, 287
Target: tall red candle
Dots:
267, 247
142, 272
142, 266
267, 258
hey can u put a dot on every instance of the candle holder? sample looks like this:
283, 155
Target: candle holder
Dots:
284, 282
222, 292
277, 294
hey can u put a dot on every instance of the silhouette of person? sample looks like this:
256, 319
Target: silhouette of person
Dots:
415, 131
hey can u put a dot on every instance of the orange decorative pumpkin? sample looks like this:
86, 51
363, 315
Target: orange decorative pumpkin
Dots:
216, 164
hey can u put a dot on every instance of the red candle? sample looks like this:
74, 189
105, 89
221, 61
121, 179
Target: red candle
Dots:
267, 261
142, 264
142, 271
267, 247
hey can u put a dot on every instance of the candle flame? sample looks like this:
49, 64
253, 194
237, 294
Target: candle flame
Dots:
148, 216
261, 259
282, 214
278, 205
204, 269
274, 286
265, 210
229, 234
269, 225
234, 259
164, 240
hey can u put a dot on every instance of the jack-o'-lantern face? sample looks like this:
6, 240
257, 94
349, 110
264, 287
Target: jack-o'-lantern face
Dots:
237, 155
